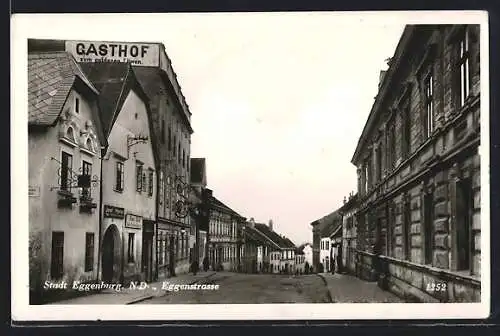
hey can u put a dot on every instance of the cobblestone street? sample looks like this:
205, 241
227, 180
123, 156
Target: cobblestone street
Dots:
251, 288
274, 288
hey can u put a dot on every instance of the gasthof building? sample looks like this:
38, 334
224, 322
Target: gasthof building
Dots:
171, 130
418, 207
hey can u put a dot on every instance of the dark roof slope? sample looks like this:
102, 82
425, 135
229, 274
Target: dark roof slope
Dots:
197, 170
110, 79
273, 236
215, 202
51, 75
253, 234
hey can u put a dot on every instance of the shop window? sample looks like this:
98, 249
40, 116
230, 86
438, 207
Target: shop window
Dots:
57, 255
131, 247
89, 251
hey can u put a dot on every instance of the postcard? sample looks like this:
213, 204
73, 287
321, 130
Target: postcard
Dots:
262, 166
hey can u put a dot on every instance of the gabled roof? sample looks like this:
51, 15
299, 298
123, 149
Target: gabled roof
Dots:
282, 242
253, 234
51, 76
217, 203
197, 170
113, 80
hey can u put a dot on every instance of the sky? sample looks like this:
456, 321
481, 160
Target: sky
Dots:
278, 100
278, 105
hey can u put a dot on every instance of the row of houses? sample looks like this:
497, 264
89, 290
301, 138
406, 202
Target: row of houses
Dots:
414, 223
266, 251
114, 194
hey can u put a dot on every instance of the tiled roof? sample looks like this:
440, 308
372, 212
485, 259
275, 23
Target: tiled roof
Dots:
197, 169
214, 201
273, 236
51, 76
253, 234
110, 79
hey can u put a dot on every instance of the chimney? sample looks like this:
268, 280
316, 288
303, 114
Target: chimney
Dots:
381, 77
271, 224
251, 223
345, 200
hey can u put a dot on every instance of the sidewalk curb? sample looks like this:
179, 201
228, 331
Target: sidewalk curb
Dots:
325, 282
144, 298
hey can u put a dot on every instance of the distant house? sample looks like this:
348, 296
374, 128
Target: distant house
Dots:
284, 261
323, 228
349, 233
300, 260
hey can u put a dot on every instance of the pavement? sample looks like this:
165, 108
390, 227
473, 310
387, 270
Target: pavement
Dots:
130, 295
350, 289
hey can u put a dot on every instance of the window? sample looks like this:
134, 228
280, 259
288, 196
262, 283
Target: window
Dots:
138, 171
406, 227
177, 246
89, 251
428, 227
406, 132
327, 245
464, 205
66, 171
131, 243
175, 146
391, 146
86, 170
162, 135
378, 163
77, 105
429, 105
150, 184
463, 63
179, 158
144, 181
57, 255
183, 158
119, 176
169, 138
365, 177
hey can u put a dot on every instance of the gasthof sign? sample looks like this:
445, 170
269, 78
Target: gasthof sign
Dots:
133, 222
141, 54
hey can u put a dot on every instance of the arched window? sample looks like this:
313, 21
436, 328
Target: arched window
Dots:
70, 133
89, 145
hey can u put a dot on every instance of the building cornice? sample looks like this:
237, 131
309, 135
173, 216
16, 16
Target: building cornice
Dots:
402, 46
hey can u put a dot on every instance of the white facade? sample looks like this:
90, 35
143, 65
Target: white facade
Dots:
308, 254
275, 261
129, 175
325, 254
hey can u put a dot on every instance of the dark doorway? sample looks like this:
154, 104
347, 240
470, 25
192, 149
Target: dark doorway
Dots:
109, 258
147, 255
464, 223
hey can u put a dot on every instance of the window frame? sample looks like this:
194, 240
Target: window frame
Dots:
66, 174
89, 251
119, 176
139, 168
